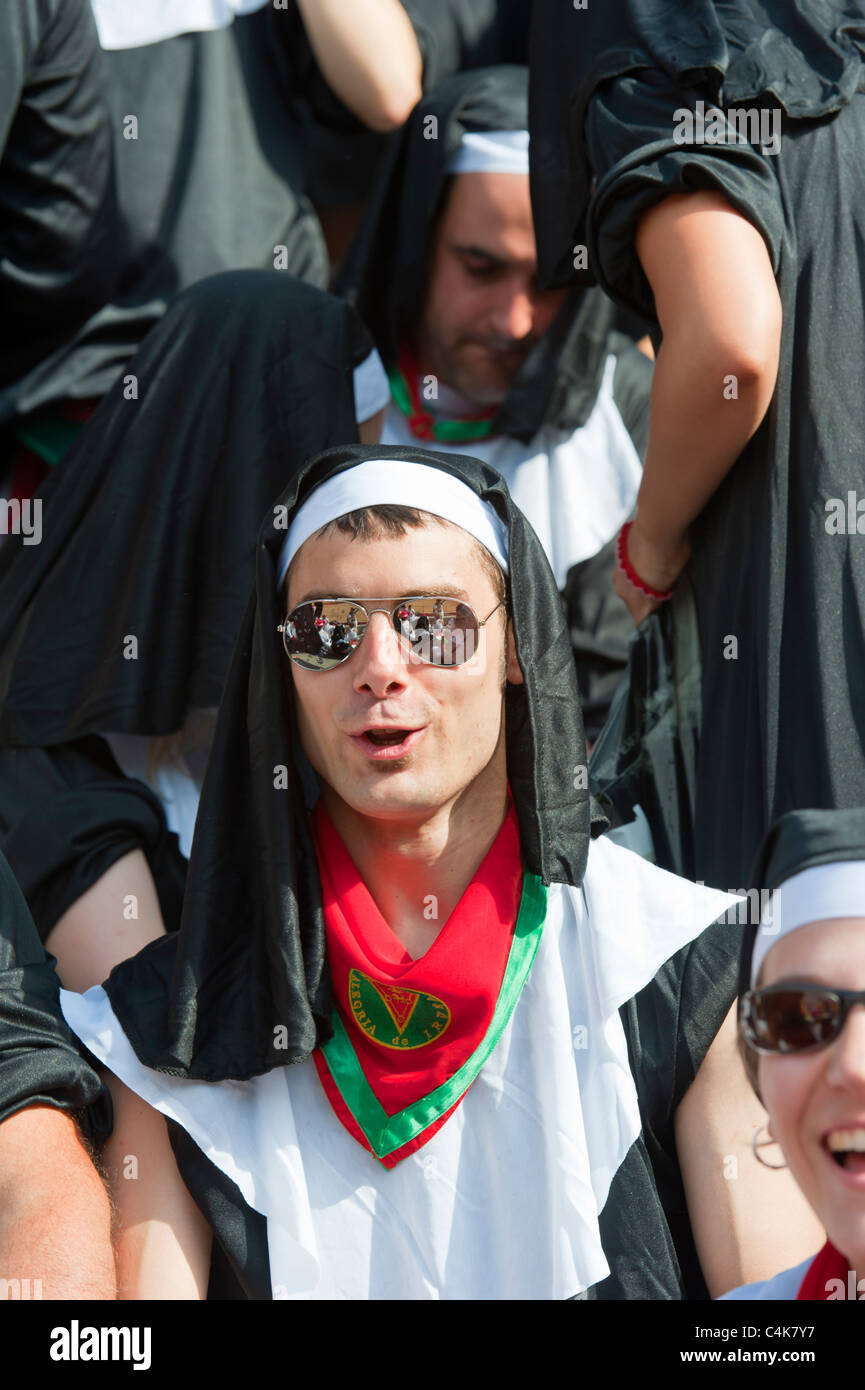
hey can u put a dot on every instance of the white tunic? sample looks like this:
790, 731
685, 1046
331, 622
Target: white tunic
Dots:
576, 487
503, 1201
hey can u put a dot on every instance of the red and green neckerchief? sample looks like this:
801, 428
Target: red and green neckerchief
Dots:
423, 424
410, 1036
829, 1267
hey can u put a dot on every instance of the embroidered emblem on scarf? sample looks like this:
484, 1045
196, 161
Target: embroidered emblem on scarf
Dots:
410, 1036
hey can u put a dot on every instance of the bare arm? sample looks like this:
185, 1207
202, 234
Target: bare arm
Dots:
720, 312
107, 924
748, 1222
55, 1217
369, 56
163, 1242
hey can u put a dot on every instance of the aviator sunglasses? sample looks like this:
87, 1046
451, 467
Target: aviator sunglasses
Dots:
788, 1018
322, 633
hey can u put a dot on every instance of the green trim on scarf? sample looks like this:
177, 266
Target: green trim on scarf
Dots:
386, 1133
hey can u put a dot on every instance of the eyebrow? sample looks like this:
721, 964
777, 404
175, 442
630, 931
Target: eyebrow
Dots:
479, 252
433, 591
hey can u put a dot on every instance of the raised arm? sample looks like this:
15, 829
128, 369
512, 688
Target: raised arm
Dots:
368, 55
55, 1217
720, 314
749, 1223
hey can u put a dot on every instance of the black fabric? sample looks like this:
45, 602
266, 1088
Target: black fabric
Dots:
253, 863
240, 1262
800, 840
644, 1225
805, 55
383, 275
765, 569
67, 814
149, 524
646, 753
600, 625
40, 1060
212, 180
61, 242
453, 36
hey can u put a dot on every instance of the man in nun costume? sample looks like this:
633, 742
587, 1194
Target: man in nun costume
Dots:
421, 1033
540, 384
116, 632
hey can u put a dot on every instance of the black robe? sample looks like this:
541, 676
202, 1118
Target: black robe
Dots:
148, 533
384, 276
781, 725
61, 237
210, 177
41, 1062
253, 863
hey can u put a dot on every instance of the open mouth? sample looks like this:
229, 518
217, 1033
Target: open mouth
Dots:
384, 738
847, 1148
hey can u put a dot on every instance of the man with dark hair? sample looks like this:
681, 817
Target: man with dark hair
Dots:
424, 1032
540, 384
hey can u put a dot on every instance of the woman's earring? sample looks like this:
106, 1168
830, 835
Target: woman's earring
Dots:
757, 1143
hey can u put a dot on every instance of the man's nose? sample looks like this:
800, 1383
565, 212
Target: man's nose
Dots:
514, 317
381, 659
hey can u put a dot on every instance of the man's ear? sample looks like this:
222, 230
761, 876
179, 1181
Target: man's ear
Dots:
513, 672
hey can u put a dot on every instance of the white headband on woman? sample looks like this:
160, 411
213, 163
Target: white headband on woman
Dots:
491, 152
814, 895
377, 482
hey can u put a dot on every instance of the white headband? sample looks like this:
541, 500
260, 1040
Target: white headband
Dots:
814, 895
491, 152
398, 482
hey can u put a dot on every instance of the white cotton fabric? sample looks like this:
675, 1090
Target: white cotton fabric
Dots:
503, 1201
371, 387
781, 1286
135, 23
818, 894
491, 152
575, 487
395, 481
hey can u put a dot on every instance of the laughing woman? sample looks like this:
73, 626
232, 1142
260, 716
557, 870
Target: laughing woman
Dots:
802, 1024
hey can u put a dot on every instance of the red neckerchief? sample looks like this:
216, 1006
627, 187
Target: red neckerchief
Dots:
828, 1264
422, 423
411, 1024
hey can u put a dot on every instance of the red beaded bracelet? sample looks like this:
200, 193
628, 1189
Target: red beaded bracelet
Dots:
628, 569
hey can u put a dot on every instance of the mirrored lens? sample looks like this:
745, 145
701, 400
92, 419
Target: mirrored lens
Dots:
320, 635
792, 1020
440, 631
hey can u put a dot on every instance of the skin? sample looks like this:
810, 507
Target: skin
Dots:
484, 310
55, 1218
720, 312
421, 823
808, 1095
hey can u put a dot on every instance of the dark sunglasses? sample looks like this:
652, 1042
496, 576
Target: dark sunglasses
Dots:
322, 633
795, 1018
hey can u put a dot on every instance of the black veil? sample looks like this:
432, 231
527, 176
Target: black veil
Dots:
243, 986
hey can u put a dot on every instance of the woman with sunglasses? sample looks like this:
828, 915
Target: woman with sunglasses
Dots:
802, 1026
